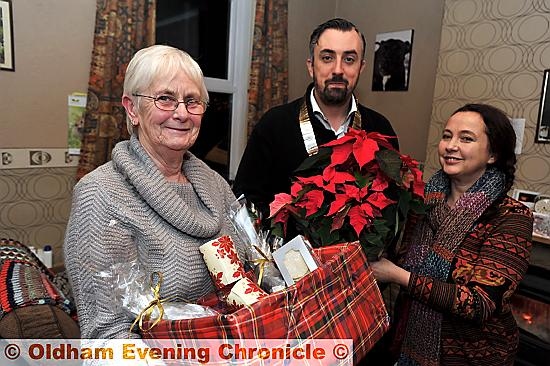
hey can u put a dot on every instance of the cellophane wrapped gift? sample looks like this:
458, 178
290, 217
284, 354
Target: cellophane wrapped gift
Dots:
338, 300
133, 291
259, 246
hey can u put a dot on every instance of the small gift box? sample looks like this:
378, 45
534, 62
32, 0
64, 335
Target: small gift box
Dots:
294, 260
245, 292
222, 261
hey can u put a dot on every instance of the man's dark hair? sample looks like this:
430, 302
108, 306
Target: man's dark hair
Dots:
336, 23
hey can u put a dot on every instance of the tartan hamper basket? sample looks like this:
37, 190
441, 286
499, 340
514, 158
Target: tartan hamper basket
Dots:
339, 300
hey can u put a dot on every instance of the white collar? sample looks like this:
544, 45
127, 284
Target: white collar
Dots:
317, 111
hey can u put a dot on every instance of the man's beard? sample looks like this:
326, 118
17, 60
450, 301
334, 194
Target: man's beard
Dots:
332, 96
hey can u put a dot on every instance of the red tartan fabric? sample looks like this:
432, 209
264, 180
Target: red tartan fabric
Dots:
338, 300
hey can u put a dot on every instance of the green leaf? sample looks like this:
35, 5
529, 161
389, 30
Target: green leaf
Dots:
389, 214
397, 226
405, 198
381, 227
418, 206
372, 245
373, 253
314, 164
277, 230
390, 163
362, 180
327, 237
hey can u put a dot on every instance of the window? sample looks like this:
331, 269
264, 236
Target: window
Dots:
218, 35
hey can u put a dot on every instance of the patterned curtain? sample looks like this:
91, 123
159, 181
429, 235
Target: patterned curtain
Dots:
269, 68
121, 28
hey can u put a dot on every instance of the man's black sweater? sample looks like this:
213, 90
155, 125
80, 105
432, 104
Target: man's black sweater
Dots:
276, 148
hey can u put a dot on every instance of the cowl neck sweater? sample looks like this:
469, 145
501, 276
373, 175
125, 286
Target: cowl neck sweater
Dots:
132, 161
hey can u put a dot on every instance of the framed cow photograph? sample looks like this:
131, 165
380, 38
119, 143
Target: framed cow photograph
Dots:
6, 36
392, 61
543, 123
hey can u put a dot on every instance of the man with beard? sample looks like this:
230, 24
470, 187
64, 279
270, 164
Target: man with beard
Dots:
286, 135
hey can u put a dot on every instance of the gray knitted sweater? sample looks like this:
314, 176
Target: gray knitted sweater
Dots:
126, 210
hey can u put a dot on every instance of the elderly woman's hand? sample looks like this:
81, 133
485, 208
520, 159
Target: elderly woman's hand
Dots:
385, 271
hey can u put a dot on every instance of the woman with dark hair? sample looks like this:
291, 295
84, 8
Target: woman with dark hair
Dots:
460, 263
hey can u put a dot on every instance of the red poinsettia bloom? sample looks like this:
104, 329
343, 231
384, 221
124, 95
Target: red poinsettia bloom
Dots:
412, 177
357, 187
278, 210
378, 200
359, 218
380, 183
311, 201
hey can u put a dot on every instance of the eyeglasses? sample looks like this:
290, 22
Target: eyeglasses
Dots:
170, 103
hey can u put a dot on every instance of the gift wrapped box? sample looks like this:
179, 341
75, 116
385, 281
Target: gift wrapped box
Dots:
338, 300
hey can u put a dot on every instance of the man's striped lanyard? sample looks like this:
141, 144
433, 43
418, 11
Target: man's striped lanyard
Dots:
307, 129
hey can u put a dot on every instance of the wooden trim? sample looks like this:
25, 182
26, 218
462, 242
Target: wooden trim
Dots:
541, 239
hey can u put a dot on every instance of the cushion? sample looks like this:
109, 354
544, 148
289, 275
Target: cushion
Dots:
40, 322
32, 305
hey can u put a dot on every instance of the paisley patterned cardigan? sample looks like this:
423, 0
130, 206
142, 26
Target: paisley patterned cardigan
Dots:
478, 326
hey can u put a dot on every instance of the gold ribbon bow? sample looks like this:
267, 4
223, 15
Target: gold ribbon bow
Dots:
261, 262
146, 313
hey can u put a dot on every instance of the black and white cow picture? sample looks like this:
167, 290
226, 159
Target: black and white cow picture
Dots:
391, 64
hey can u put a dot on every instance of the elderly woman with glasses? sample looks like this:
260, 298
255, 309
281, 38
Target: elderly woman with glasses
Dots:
155, 202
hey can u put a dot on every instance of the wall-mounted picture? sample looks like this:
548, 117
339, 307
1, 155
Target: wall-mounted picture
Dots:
392, 61
6, 36
543, 123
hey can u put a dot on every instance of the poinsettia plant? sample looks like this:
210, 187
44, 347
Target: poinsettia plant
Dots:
357, 187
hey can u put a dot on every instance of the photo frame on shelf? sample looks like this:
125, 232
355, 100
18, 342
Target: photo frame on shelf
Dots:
525, 197
6, 36
543, 122
392, 61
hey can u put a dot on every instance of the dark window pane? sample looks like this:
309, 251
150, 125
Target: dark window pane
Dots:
199, 27
212, 145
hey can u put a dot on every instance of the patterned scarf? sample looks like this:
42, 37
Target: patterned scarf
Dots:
438, 236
